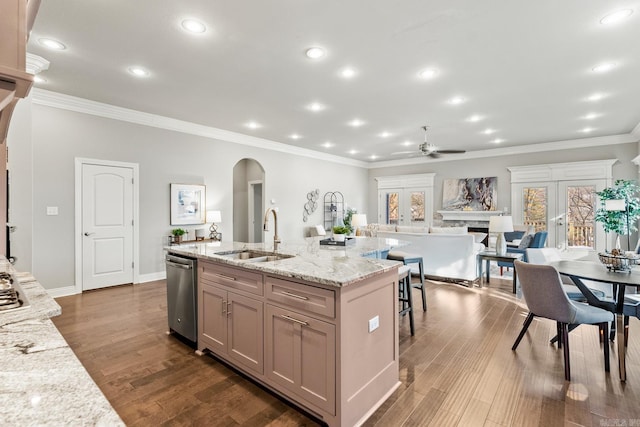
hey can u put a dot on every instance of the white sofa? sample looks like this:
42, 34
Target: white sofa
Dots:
445, 256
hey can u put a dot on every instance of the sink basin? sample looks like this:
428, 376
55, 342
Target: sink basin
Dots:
249, 255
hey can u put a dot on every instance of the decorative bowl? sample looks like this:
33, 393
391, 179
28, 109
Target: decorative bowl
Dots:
617, 262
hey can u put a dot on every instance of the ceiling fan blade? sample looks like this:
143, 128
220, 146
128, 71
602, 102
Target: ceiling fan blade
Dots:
434, 154
451, 151
402, 152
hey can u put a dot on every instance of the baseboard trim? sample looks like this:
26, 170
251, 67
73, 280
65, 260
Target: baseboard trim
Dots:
62, 292
152, 277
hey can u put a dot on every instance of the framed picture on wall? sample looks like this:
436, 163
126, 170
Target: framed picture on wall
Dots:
188, 204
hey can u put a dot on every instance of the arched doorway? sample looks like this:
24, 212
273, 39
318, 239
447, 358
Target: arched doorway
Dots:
248, 201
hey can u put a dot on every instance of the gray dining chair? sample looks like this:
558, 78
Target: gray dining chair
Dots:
542, 290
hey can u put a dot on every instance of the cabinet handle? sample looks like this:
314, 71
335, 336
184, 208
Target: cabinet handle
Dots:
299, 322
289, 294
224, 307
228, 310
225, 276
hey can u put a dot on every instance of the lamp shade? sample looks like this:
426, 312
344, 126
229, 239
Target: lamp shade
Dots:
500, 224
359, 220
214, 216
615, 205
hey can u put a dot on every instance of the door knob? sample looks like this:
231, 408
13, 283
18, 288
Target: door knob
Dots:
88, 234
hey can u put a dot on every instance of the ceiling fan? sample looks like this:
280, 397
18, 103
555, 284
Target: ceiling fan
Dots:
429, 149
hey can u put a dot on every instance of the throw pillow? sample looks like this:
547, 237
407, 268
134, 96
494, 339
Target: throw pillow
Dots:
526, 241
386, 227
478, 237
448, 230
410, 229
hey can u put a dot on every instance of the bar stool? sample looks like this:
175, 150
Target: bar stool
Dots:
408, 258
404, 294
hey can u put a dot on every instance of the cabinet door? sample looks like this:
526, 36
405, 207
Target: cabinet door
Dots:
301, 356
245, 332
212, 319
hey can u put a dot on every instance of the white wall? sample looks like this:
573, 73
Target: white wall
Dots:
59, 136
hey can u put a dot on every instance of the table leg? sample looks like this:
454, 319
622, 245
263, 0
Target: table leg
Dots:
622, 350
514, 279
488, 269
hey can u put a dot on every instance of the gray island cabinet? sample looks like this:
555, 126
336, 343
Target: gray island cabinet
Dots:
319, 329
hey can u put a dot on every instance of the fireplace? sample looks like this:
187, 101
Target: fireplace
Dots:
485, 230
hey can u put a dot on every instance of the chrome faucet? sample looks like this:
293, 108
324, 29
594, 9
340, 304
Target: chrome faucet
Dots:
276, 239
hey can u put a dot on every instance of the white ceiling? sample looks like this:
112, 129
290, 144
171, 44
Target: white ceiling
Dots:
525, 67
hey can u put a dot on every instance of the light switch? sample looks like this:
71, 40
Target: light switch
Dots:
52, 210
374, 323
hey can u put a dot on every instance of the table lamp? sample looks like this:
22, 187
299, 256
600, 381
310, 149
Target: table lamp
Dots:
500, 225
213, 217
357, 221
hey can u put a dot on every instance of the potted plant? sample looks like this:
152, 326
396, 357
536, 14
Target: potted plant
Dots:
624, 218
340, 232
177, 234
347, 219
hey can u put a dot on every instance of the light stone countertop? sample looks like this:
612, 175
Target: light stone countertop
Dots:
329, 265
42, 382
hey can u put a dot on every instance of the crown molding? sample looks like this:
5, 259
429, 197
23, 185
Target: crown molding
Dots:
82, 105
86, 106
521, 149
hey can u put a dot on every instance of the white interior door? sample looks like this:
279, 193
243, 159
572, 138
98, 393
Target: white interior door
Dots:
255, 209
107, 226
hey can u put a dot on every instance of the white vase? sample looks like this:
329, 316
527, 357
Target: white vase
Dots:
338, 237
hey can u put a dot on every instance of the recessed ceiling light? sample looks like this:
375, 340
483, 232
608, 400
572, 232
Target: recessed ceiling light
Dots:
587, 130
428, 73
356, 123
253, 125
497, 141
457, 100
617, 16
407, 143
315, 106
591, 116
373, 157
328, 144
385, 134
489, 131
138, 71
193, 26
52, 44
352, 152
315, 52
348, 73
39, 79
294, 136
596, 97
604, 67
475, 118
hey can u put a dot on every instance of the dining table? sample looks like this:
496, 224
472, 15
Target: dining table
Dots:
620, 280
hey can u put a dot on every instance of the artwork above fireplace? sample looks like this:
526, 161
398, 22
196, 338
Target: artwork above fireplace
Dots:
470, 194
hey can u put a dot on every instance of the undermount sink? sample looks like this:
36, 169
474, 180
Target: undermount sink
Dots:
249, 255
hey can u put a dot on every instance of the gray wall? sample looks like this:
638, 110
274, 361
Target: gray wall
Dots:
59, 136
497, 166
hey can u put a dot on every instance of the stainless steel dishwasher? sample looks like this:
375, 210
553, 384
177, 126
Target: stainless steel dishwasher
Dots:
181, 295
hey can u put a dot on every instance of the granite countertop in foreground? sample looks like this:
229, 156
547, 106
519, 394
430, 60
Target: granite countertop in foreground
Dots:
329, 265
42, 382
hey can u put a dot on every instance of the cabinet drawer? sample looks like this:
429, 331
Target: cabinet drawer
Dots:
301, 296
232, 277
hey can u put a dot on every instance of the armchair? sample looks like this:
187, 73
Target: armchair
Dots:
538, 241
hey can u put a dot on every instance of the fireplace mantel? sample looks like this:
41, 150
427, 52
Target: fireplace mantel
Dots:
468, 215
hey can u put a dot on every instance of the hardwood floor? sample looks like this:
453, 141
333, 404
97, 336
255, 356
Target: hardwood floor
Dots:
457, 370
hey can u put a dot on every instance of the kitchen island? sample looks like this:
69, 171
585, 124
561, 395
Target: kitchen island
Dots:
316, 324
42, 382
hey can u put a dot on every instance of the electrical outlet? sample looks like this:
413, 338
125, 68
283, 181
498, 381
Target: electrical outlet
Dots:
52, 210
374, 323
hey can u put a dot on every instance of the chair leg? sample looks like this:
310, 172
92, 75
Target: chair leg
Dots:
565, 339
410, 303
605, 344
559, 334
501, 270
525, 326
555, 339
422, 288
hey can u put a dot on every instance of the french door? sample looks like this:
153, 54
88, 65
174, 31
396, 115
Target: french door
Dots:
565, 209
403, 206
